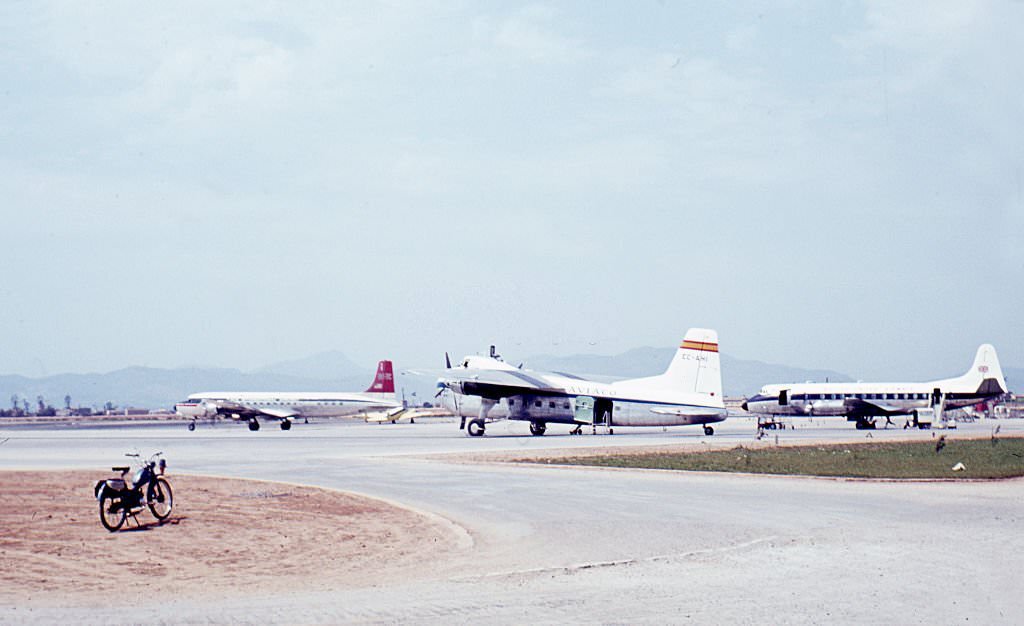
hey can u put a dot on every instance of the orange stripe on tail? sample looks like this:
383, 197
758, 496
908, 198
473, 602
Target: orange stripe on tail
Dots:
699, 345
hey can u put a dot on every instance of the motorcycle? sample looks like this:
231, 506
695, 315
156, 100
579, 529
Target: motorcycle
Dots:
119, 498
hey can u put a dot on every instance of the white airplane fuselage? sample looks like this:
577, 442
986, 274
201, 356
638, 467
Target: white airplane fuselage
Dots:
688, 392
251, 406
319, 404
862, 402
654, 409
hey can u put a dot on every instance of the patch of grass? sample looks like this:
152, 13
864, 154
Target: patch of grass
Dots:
982, 458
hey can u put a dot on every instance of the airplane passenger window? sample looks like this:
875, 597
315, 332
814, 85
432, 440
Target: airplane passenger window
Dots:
551, 405
537, 403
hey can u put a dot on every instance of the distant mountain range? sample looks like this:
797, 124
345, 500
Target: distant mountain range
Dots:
156, 388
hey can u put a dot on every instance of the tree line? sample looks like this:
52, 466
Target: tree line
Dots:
20, 407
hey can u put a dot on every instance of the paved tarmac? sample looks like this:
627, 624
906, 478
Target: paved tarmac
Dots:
548, 544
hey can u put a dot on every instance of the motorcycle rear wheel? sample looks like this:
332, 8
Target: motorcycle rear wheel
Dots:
112, 514
161, 499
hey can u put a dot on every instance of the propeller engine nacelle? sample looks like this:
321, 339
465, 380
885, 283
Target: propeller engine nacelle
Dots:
444, 385
196, 408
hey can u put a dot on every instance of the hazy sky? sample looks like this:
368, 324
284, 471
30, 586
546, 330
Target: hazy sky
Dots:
828, 184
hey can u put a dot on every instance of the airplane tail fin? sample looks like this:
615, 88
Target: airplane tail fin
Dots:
384, 382
696, 366
986, 372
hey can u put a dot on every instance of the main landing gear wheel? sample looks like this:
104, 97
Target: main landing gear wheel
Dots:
709, 431
191, 426
254, 425
286, 425
537, 429
475, 428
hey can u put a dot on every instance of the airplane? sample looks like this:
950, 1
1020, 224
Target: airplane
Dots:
288, 405
688, 392
863, 403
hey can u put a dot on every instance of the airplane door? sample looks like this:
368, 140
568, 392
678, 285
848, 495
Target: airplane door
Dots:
603, 411
784, 397
583, 411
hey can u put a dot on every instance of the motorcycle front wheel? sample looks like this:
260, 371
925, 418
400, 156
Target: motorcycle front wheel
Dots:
112, 514
161, 499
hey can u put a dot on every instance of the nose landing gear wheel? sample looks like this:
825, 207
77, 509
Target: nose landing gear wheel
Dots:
475, 428
709, 431
537, 429
191, 426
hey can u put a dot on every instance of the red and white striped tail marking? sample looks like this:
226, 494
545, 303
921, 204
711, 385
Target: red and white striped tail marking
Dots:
703, 346
384, 382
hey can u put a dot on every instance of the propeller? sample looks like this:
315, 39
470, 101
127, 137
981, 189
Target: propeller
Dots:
443, 387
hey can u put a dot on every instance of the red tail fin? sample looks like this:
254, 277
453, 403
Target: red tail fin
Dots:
385, 380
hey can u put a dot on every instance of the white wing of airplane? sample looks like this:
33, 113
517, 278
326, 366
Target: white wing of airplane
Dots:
281, 414
858, 406
685, 411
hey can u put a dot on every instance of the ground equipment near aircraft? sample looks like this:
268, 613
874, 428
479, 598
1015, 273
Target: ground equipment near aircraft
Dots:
119, 497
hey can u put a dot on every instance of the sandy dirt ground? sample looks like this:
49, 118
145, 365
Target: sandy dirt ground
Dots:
222, 535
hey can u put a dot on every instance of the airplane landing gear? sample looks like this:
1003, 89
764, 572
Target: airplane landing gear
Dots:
863, 424
538, 429
286, 424
192, 425
708, 430
254, 425
477, 426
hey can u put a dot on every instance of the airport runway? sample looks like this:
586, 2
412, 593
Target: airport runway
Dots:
547, 544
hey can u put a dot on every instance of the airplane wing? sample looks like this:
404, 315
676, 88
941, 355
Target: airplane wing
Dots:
244, 411
497, 384
857, 406
691, 411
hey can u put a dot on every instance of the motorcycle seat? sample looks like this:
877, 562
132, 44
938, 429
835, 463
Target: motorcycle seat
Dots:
121, 469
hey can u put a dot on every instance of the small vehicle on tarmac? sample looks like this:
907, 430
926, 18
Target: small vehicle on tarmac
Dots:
119, 497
